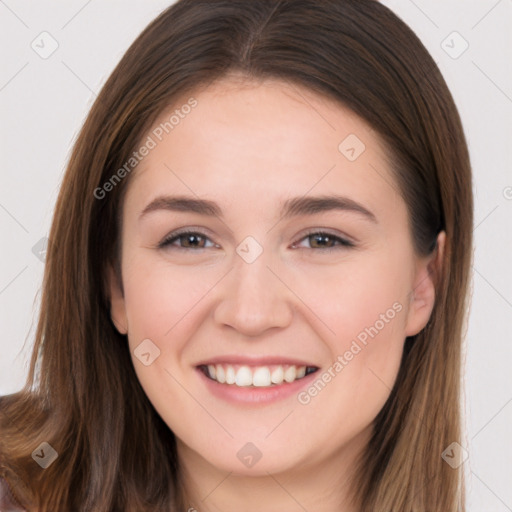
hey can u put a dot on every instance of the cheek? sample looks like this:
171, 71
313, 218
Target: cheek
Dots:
364, 298
160, 298
166, 304
365, 310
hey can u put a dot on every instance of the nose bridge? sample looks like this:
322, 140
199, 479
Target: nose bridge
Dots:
253, 299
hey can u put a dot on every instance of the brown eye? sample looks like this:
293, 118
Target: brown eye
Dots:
191, 240
186, 240
321, 240
325, 241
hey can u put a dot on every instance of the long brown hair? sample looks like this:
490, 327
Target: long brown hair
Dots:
114, 451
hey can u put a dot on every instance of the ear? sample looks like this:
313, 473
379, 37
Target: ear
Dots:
117, 302
423, 294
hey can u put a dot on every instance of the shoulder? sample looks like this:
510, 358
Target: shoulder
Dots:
7, 500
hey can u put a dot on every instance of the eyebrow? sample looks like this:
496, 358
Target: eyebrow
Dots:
305, 205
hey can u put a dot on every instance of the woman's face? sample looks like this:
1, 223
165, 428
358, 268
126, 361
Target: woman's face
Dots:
265, 243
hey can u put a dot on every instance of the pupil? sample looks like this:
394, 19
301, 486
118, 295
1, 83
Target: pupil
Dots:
322, 240
192, 240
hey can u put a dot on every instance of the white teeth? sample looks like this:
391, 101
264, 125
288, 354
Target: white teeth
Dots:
230, 375
277, 375
290, 374
220, 375
261, 376
244, 376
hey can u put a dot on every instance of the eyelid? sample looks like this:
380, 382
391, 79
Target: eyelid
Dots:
328, 231
345, 241
190, 230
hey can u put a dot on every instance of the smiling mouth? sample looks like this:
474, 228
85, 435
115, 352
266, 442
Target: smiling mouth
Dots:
257, 376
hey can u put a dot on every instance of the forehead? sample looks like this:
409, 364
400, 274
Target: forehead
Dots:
262, 139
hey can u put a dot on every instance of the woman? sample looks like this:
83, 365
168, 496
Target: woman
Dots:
257, 276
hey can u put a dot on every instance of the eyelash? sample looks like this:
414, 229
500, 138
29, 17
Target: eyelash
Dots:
342, 243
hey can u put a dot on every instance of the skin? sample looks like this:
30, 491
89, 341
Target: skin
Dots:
249, 146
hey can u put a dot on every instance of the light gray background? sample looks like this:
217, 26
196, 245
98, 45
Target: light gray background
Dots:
44, 102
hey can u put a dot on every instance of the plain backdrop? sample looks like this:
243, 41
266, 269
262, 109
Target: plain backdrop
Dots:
45, 98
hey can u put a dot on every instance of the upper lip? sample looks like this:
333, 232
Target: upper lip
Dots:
254, 361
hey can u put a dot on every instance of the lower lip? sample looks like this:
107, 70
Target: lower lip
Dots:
255, 395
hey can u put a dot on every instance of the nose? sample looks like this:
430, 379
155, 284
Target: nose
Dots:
254, 299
